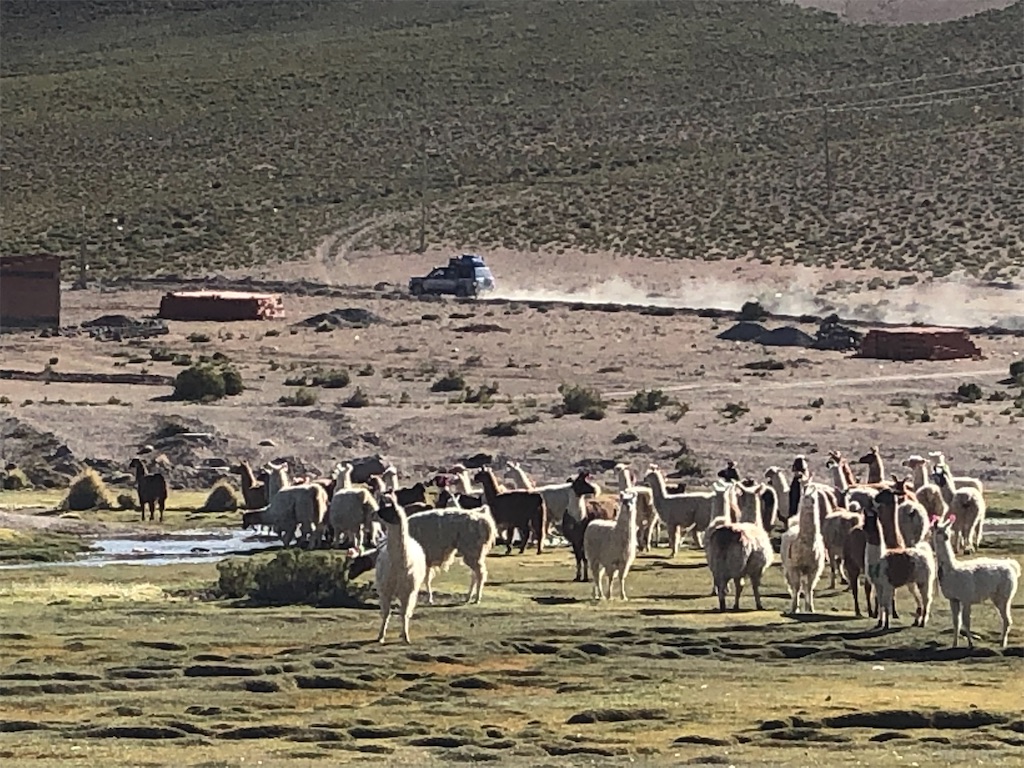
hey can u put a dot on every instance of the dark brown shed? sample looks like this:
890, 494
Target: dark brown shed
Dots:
919, 344
30, 291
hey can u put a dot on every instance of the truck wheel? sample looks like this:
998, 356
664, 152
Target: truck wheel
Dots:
461, 291
416, 289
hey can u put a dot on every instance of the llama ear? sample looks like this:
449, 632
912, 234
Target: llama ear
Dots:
952, 519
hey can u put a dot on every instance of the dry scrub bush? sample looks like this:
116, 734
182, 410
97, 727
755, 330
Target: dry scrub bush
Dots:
14, 479
224, 497
292, 577
88, 491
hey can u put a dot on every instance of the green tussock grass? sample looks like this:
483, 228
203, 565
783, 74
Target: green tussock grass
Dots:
540, 654
210, 130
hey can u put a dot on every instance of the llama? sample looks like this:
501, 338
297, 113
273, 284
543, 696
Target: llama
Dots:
523, 480
835, 530
520, 511
854, 567
958, 482
401, 568
350, 516
277, 479
680, 512
297, 506
803, 549
930, 497
568, 496
876, 469
609, 546
445, 533
967, 506
151, 487
892, 567
913, 521
749, 501
736, 551
463, 501
253, 491
646, 515
920, 469
967, 582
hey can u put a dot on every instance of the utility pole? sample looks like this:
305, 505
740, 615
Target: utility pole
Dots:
82, 282
828, 162
423, 202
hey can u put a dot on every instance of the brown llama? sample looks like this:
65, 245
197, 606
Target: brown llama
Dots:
876, 469
152, 488
521, 511
253, 491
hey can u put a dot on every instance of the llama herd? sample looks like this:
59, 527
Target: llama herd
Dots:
877, 534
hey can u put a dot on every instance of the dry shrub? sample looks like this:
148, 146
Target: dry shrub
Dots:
14, 479
224, 497
292, 577
88, 491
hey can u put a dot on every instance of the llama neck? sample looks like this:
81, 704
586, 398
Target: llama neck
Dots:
944, 552
810, 522
391, 480
140, 472
658, 486
398, 539
838, 477
921, 472
626, 520
523, 479
780, 484
890, 530
624, 477
876, 470
248, 478
486, 481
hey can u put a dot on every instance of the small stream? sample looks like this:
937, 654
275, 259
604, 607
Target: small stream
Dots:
189, 546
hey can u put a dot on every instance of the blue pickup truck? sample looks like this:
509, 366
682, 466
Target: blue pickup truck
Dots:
465, 276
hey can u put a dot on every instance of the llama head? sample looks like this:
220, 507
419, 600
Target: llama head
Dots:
914, 461
871, 457
389, 511
581, 484
940, 477
627, 502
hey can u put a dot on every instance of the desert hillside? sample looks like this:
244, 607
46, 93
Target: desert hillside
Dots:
205, 134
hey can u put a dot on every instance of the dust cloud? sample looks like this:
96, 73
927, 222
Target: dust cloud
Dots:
957, 301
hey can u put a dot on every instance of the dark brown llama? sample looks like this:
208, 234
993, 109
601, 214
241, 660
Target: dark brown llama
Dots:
253, 491
152, 489
521, 511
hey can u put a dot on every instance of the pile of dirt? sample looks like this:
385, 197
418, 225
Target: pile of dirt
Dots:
833, 335
188, 452
41, 455
343, 317
743, 332
786, 336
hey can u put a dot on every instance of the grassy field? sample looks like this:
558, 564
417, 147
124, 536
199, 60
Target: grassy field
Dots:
124, 666
204, 134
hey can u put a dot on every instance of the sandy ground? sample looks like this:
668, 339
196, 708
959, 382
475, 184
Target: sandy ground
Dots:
529, 352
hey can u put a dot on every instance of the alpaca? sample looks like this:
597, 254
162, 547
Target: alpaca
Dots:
680, 512
297, 506
892, 567
445, 533
253, 491
966, 582
151, 487
610, 547
522, 511
967, 506
401, 568
646, 515
803, 549
736, 551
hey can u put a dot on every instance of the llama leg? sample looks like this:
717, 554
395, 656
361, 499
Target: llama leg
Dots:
739, 588
598, 575
673, 540
892, 605
809, 597
794, 590
430, 587
622, 583
755, 584
856, 596
407, 609
967, 624
508, 540
481, 577
719, 587
162, 503
869, 593
1003, 606
833, 564
385, 616
954, 609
